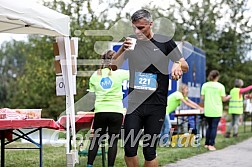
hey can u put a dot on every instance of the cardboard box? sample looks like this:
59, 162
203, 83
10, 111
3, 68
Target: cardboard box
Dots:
56, 48
57, 64
57, 67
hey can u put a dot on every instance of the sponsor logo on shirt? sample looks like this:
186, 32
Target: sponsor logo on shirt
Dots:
106, 83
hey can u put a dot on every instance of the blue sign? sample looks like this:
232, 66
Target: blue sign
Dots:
196, 75
125, 85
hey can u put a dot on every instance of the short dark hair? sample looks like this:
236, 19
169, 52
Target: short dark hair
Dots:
213, 75
140, 14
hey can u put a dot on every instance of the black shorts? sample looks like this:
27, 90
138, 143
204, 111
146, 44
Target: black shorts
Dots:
150, 118
110, 121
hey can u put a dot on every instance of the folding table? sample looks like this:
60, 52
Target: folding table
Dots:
7, 127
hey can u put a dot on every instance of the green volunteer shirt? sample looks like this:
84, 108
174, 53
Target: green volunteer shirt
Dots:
174, 100
108, 90
213, 92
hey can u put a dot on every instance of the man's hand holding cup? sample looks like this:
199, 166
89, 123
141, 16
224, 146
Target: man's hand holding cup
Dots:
129, 43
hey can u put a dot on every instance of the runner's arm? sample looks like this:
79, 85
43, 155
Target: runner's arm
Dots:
243, 90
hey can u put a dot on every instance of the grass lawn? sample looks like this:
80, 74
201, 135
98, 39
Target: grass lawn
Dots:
55, 156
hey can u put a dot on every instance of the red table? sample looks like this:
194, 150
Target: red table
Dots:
7, 127
81, 122
28, 123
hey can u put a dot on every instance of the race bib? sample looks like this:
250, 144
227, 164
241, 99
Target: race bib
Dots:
145, 81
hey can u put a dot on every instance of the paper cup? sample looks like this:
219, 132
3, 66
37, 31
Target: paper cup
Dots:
133, 43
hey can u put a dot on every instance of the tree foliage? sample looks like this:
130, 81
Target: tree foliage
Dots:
223, 31
12, 62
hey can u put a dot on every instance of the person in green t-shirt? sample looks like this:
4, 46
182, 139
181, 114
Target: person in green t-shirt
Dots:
213, 94
106, 85
174, 100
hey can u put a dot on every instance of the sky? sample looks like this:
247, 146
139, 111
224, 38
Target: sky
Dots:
131, 6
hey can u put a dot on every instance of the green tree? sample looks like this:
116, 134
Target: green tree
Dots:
12, 62
35, 87
222, 29
234, 43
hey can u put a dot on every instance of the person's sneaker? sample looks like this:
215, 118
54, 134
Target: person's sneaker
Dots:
235, 135
211, 148
206, 146
227, 135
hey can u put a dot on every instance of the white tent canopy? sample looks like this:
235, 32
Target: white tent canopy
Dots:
28, 17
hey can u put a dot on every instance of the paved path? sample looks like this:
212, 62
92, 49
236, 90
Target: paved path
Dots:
238, 155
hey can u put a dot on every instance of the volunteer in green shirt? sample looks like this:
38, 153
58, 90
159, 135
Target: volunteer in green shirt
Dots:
107, 87
213, 94
236, 106
174, 100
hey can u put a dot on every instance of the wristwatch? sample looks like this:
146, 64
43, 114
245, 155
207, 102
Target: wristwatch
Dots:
178, 63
